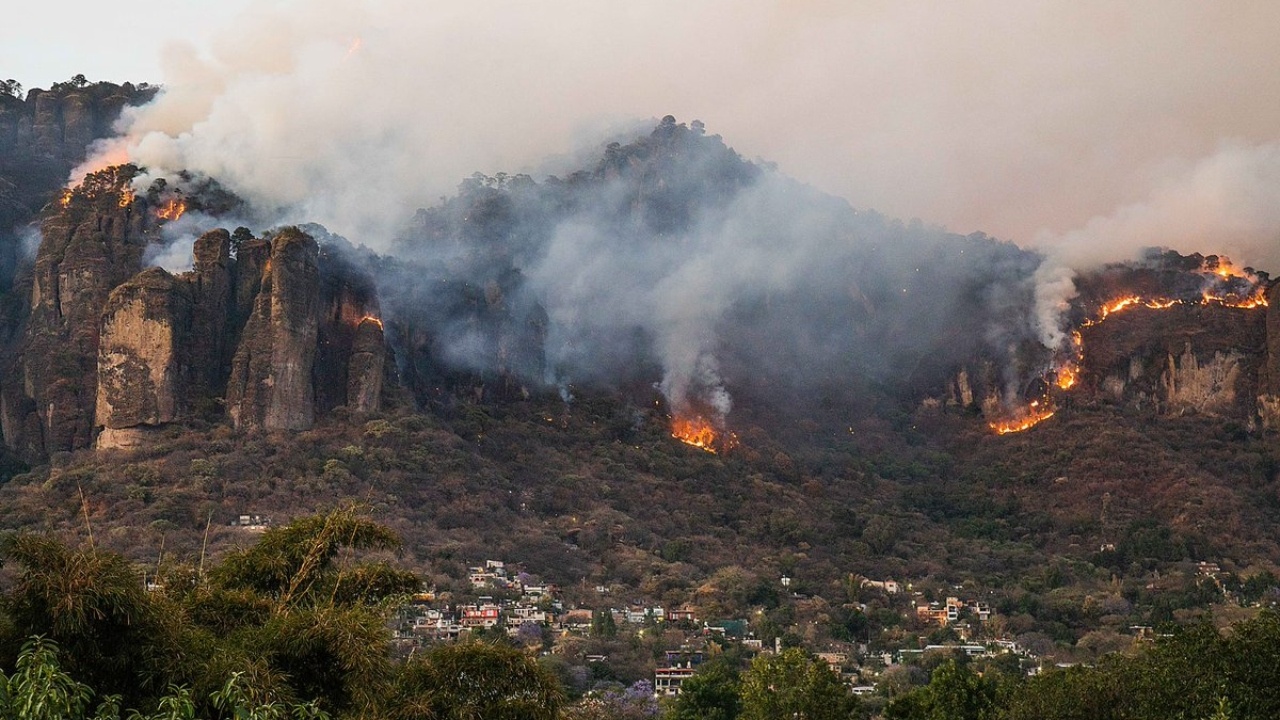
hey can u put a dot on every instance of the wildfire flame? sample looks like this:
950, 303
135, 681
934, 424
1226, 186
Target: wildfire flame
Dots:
172, 209
1067, 376
64, 198
1067, 371
696, 431
1225, 269
1034, 416
370, 319
126, 198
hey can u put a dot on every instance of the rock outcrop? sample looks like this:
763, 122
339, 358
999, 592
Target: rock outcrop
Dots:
113, 352
271, 375
91, 247
365, 368
211, 291
41, 139
142, 363
1204, 359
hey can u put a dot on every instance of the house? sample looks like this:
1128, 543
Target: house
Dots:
255, 523
479, 615
667, 681
941, 614
579, 619
983, 609
534, 592
529, 613
680, 666
638, 615
683, 614
932, 613
835, 659
863, 689
889, 586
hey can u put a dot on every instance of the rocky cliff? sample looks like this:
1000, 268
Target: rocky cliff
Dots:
91, 245
271, 375
142, 357
1178, 360
112, 351
1169, 335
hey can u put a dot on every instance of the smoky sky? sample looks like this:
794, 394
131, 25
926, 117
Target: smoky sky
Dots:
1089, 128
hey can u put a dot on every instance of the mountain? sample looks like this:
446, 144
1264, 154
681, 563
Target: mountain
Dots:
505, 380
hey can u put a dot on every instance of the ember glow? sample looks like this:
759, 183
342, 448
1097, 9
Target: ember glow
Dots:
172, 209
1067, 375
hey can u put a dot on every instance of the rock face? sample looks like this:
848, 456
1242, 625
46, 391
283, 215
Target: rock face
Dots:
1193, 353
41, 139
211, 290
92, 246
142, 368
113, 352
365, 369
351, 349
1203, 359
271, 375
978, 386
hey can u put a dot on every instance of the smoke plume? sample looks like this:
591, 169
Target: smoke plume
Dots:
1085, 131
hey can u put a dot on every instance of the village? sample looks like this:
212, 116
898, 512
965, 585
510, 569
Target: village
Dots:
506, 600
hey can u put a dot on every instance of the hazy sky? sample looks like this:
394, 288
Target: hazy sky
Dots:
1092, 127
46, 42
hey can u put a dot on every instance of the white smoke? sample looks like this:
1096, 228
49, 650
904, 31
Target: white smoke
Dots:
1055, 287
353, 112
678, 289
1225, 204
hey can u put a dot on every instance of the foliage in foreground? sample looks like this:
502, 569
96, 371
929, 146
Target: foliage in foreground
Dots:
290, 627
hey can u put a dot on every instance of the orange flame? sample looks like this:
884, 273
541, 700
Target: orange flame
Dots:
172, 209
64, 198
371, 319
1067, 372
126, 198
1257, 300
696, 431
1067, 376
1034, 416
1224, 268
